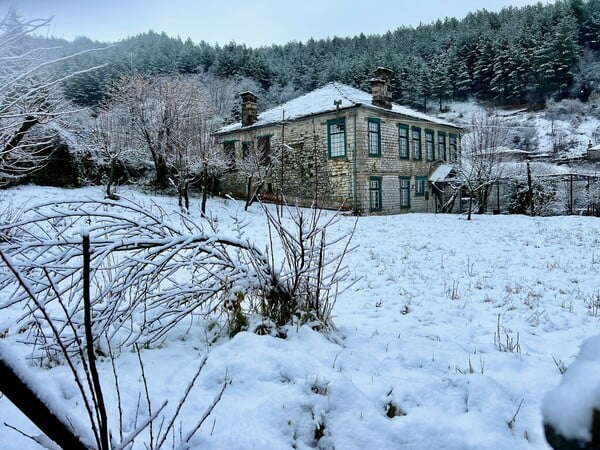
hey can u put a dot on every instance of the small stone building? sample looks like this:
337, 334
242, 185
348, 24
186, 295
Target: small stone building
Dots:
339, 146
593, 152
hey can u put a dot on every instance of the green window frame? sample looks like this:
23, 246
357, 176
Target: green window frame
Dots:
375, 193
420, 186
403, 141
429, 145
404, 192
374, 136
453, 147
442, 145
416, 142
336, 138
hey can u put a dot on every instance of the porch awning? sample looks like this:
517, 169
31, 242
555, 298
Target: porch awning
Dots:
442, 173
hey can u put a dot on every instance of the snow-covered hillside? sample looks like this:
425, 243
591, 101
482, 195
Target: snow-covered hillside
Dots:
560, 131
455, 328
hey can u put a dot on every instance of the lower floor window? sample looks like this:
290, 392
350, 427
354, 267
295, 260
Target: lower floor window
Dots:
375, 193
405, 192
420, 186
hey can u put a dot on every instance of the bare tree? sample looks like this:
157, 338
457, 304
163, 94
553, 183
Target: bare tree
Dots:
481, 158
173, 119
256, 165
112, 136
29, 95
147, 101
196, 155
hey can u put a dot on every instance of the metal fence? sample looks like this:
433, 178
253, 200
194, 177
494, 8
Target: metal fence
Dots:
563, 194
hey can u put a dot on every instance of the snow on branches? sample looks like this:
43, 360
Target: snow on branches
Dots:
152, 270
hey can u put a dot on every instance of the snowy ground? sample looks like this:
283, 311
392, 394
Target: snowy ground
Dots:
418, 330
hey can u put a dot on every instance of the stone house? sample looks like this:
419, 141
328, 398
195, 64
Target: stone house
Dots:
339, 146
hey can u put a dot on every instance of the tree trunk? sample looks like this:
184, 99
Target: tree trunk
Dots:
162, 172
252, 196
470, 206
186, 196
530, 191
111, 179
28, 123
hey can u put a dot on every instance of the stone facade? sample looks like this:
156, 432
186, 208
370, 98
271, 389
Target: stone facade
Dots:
348, 157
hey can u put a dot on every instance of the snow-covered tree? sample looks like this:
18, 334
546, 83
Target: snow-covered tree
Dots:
30, 95
256, 165
481, 160
172, 119
112, 136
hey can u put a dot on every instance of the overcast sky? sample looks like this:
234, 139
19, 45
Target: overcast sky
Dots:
251, 22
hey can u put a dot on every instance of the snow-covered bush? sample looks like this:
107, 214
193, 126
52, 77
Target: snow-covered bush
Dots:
305, 281
572, 410
566, 109
152, 271
149, 271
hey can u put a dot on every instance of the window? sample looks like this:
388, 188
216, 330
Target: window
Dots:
420, 186
416, 142
374, 128
429, 148
336, 137
453, 148
229, 150
375, 193
442, 145
246, 149
264, 149
403, 140
404, 192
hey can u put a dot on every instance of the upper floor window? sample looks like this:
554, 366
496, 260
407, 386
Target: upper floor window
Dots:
416, 142
374, 128
453, 147
229, 153
246, 149
403, 140
336, 137
429, 148
442, 146
264, 150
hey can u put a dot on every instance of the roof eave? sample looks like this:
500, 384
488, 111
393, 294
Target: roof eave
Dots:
277, 122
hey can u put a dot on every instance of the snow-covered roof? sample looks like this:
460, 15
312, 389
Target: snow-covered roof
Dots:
321, 101
441, 173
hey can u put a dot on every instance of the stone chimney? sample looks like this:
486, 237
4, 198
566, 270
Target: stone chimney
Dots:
381, 87
249, 108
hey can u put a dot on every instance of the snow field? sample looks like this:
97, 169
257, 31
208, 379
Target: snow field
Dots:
455, 323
